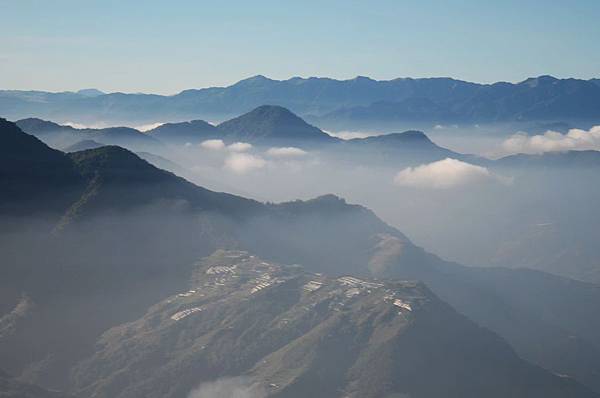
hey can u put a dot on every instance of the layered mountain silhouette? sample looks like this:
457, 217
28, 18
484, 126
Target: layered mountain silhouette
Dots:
356, 102
129, 233
264, 126
268, 125
60, 136
531, 248
397, 149
565, 159
541, 98
83, 145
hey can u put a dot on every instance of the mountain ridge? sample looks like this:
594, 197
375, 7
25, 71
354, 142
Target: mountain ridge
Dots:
330, 102
63, 136
270, 125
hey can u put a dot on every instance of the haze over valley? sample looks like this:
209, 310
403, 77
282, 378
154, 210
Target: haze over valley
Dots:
284, 237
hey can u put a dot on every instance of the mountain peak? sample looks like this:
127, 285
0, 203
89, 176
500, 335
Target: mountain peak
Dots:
415, 135
117, 164
193, 131
361, 78
257, 79
112, 155
329, 201
272, 122
540, 80
410, 136
195, 124
90, 92
38, 125
14, 143
329, 198
273, 110
30, 170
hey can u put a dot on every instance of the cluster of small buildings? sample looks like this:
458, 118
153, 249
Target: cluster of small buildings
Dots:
182, 314
220, 269
262, 282
356, 282
312, 286
402, 304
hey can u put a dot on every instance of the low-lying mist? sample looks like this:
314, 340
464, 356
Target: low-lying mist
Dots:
230, 387
465, 208
480, 213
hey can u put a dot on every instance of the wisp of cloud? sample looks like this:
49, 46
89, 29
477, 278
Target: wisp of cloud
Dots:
349, 135
239, 147
241, 163
552, 141
286, 152
443, 174
229, 387
213, 145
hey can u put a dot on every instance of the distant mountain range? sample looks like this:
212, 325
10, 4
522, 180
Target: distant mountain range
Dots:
270, 125
60, 136
106, 225
264, 126
351, 104
564, 159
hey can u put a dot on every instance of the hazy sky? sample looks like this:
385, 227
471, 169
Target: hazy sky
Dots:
167, 46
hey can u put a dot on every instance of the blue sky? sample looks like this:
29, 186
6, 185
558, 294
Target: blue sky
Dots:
168, 46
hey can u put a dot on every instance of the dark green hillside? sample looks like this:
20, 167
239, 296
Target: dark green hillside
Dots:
32, 173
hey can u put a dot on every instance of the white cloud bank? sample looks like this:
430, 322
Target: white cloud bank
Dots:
349, 135
443, 174
552, 141
286, 152
218, 145
213, 145
233, 387
148, 127
241, 163
101, 125
239, 147
75, 125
